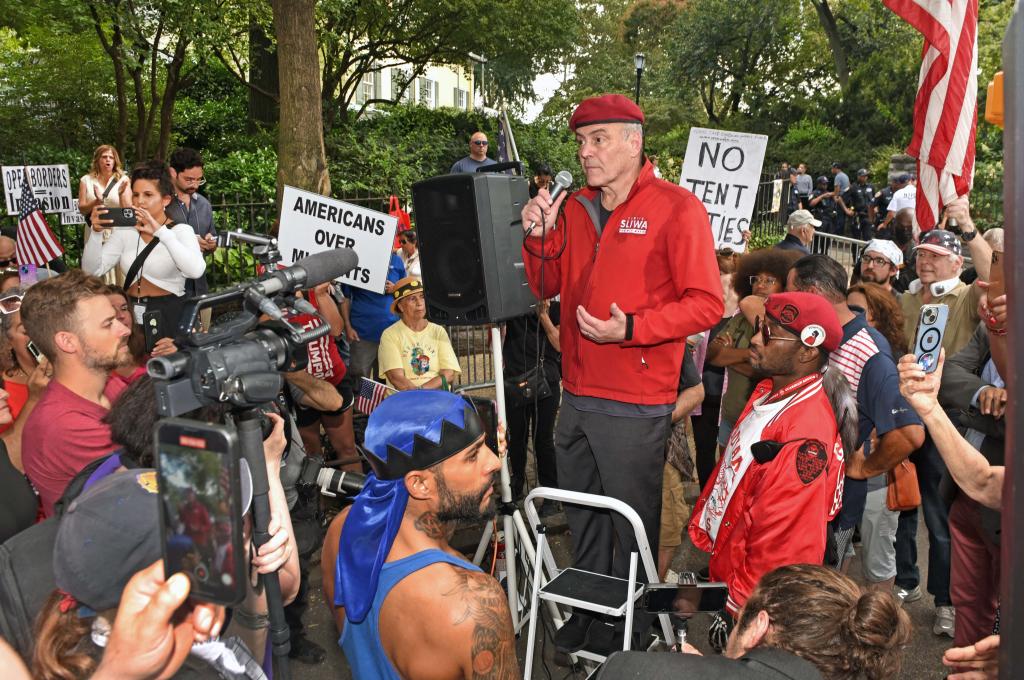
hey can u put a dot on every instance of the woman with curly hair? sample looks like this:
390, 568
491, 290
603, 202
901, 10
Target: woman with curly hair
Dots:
882, 312
761, 273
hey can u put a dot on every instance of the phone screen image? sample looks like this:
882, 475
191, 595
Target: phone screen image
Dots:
199, 492
685, 600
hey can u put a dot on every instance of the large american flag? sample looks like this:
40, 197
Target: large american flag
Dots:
370, 395
946, 108
36, 243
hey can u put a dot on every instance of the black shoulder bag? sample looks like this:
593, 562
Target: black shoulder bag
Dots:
522, 389
140, 259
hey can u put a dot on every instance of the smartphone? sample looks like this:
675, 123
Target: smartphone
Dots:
27, 275
200, 508
673, 598
487, 409
122, 217
996, 278
151, 324
34, 351
931, 326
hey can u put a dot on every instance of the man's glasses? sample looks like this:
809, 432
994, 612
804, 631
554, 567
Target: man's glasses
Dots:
763, 280
480, 143
192, 180
762, 328
875, 261
9, 304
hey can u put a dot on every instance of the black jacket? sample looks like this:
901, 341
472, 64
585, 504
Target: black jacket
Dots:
763, 663
791, 242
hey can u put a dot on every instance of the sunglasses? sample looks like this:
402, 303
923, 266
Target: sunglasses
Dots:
479, 143
403, 242
763, 329
7, 261
10, 304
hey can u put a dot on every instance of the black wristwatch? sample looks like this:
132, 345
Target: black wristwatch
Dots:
967, 236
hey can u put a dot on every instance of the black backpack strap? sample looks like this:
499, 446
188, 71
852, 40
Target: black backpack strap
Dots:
140, 259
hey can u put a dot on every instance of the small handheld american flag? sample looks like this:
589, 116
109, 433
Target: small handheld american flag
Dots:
36, 243
371, 394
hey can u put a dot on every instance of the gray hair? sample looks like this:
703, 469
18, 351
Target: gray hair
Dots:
630, 129
995, 238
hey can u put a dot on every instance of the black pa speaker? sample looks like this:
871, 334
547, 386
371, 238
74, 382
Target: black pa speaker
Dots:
470, 237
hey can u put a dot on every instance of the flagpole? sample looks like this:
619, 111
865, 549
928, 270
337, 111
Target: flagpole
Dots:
508, 134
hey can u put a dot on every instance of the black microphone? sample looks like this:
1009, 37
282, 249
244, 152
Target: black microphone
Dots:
563, 181
310, 271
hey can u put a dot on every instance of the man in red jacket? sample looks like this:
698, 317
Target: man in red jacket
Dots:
633, 259
780, 479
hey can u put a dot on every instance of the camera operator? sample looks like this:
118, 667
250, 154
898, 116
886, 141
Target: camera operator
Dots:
71, 321
107, 535
836, 632
406, 604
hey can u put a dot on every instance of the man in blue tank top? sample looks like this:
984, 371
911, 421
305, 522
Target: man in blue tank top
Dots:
407, 604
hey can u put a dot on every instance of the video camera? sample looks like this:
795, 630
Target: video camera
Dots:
240, 361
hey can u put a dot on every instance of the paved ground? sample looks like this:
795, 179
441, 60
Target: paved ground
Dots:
922, 659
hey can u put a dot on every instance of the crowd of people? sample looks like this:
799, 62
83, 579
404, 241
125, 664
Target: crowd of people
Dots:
774, 379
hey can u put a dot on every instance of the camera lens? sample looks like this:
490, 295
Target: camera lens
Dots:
930, 315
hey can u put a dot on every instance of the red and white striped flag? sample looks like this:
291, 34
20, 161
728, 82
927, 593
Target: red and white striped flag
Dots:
36, 244
946, 108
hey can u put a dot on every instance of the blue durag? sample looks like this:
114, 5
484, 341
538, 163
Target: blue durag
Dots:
369, 532
376, 514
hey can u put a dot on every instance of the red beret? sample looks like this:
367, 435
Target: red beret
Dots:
810, 317
608, 108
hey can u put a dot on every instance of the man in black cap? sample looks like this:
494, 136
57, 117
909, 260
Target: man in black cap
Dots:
634, 262
861, 207
408, 605
823, 206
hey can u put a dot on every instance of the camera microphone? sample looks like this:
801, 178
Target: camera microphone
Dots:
310, 271
563, 181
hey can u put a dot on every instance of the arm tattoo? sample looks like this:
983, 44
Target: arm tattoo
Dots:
493, 652
429, 524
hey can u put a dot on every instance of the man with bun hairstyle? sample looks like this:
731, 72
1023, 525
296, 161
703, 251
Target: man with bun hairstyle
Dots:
407, 604
633, 259
779, 480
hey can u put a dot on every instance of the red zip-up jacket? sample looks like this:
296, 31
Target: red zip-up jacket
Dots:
656, 260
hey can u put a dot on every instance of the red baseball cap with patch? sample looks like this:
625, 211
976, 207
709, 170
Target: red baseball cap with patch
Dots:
608, 108
810, 317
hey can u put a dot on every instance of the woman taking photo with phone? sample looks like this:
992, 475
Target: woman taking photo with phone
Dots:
156, 255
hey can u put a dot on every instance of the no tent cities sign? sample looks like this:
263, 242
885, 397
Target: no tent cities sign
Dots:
311, 223
723, 169
50, 184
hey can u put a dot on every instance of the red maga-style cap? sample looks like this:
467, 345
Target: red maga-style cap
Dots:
810, 317
608, 108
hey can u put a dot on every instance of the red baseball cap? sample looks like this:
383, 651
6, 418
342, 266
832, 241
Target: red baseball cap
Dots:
608, 108
810, 317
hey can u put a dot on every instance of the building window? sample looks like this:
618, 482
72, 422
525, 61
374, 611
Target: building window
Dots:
461, 98
426, 95
367, 89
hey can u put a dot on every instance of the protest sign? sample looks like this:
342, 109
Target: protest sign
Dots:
723, 169
311, 223
50, 184
73, 216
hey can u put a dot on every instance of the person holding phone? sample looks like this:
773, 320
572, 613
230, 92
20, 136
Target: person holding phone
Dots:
157, 255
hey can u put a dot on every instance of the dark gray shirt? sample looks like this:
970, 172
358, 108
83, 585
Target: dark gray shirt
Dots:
467, 164
198, 214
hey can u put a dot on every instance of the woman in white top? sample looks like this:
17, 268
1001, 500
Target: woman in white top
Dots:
159, 285
106, 184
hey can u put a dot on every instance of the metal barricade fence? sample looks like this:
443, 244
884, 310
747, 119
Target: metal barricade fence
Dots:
846, 251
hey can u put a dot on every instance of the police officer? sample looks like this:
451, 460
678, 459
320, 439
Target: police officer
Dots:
823, 205
862, 196
881, 207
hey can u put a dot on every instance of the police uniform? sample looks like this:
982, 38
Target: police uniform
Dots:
825, 209
881, 208
862, 196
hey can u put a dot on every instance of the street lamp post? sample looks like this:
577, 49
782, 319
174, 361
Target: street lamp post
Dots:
638, 61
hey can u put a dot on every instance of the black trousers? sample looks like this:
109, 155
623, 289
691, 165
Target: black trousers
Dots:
171, 308
705, 437
620, 457
525, 422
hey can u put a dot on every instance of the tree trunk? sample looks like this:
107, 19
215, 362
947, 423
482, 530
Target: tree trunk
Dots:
301, 159
263, 73
839, 52
172, 85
